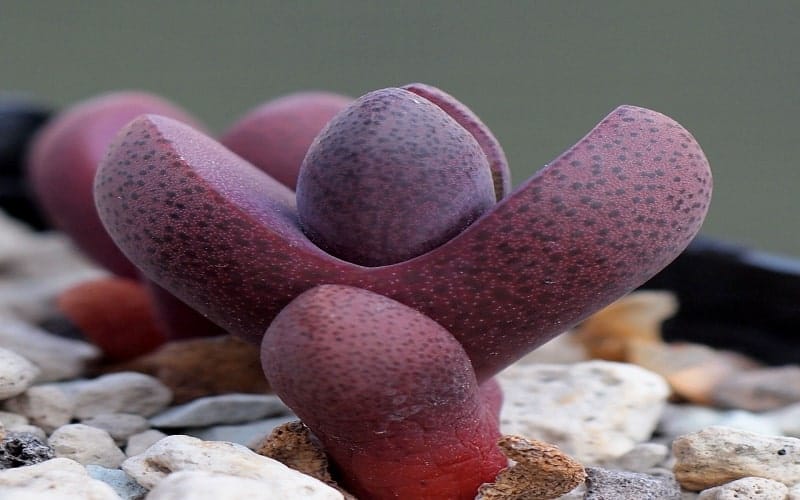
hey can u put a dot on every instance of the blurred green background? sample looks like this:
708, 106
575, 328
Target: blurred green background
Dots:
541, 74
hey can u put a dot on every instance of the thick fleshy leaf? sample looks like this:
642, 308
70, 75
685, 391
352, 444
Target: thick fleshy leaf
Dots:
389, 178
63, 161
595, 223
62, 166
390, 394
501, 173
276, 135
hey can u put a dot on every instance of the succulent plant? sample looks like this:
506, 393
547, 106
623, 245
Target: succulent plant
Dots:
403, 274
63, 161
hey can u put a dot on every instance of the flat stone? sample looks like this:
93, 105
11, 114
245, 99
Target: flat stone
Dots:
123, 392
123, 484
200, 367
677, 420
57, 358
18, 449
46, 406
224, 409
201, 485
185, 453
602, 484
138, 443
86, 445
119, 425
747, 487
718, 455
58, 479
249, 434
595, 411
759, 390
16, 374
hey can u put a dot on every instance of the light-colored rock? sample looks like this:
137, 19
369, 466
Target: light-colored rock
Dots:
31, 298
718, 455
57, 358
218, 410
16, 374
747, 487
794, 492
56, 479
185, 453
119, 425
123, 392
138, 443
202, 485
594, 411
86, 445
642, 458
602, 484
123, 484
46, 406
249, 434
30, 429
677, 420
759, 390
11, 419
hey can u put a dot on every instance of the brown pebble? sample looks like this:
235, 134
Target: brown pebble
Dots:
692, 370
201, 367
542, 471
636, 318
295, 446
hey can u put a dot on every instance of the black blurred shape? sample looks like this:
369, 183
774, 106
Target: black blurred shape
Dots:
735, 298
20, 118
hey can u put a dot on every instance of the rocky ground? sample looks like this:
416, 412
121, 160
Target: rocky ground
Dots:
640, 418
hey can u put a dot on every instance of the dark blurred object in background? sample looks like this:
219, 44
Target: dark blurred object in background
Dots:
20, 118
735, 298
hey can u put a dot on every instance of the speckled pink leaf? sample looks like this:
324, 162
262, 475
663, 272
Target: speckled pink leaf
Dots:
390, 394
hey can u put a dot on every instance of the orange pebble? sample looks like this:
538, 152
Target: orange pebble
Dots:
115, 314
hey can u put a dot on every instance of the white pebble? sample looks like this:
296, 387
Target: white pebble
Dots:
58, 358
123, 392
46, 406
222, 409
138, 443
200, 485
718, 455
119, 425
16, 374
177, 453
747, 487
56, 479
86, 445
596, 411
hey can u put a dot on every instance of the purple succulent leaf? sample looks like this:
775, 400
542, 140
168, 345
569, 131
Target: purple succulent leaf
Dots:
389, 178
595, 223
501, 173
